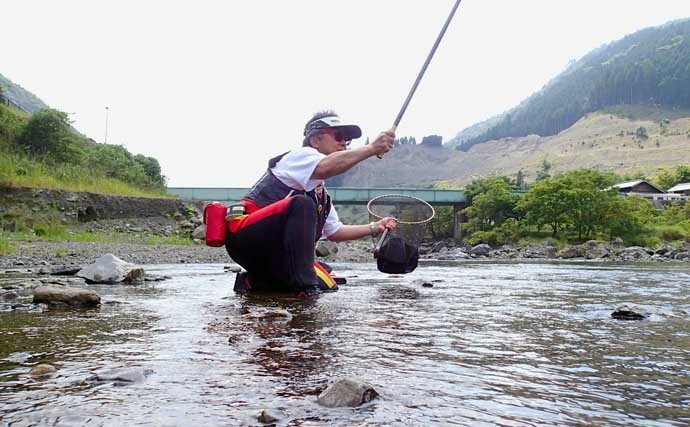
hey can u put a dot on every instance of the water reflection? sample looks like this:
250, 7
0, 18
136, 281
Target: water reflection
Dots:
488, 344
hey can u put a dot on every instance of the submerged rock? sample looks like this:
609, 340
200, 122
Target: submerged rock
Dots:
277, 313
63, 296
42, 370
124, 375
346, 392
268, 416
109, 269
627, 312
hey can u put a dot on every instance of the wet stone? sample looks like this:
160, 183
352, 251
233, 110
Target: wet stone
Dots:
346, 392
626, 312
63, 296
268, 416
60, 270
155, 278
271, 314
42, 369
9, 296
124, 375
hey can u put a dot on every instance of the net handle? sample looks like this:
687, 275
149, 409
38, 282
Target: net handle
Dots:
417, 199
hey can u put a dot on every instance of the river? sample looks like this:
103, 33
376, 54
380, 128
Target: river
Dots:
509, 344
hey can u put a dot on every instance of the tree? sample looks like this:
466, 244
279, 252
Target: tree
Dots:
2, 95
543, 171
433, 141
492, 207
628, 218
546, 204
152, 169
48, 134
668, 177
520, 180
589, 203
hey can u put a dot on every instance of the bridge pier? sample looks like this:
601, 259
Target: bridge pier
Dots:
459, 219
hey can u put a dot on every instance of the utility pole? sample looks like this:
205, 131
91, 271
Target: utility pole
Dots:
105, 140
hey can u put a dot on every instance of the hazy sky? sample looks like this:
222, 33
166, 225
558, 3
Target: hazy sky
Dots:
213, 89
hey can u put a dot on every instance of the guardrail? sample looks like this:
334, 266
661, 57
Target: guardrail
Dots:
340, 195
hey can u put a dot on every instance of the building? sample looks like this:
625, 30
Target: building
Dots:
639, 187
658, 197
683, 189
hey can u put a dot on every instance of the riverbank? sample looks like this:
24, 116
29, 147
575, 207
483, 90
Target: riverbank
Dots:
30, 254
41, 253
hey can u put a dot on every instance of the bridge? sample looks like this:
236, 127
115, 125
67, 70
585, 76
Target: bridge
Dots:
340, 195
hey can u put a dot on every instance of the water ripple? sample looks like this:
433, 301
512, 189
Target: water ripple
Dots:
508, 344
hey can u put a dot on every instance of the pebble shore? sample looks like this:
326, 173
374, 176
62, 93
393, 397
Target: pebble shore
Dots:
82, 253
40, 253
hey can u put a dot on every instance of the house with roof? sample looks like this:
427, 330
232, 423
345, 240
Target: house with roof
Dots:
646, 189
683, 189
638, 187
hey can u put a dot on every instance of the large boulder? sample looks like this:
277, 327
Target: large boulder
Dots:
636, 253
110, 269
481, 249
346, 392
588, 250
55, 295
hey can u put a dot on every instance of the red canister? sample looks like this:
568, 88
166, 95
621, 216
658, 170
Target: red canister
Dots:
214, 218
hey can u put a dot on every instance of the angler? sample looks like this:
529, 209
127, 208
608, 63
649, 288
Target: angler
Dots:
273, 232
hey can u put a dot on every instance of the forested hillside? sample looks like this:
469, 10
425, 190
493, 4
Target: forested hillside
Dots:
651, 66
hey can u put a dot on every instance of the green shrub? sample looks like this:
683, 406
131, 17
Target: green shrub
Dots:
490, 237
50, 231
6, 246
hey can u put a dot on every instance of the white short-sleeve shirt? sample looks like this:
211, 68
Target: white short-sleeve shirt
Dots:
295, 170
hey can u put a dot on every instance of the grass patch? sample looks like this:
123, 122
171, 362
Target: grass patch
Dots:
61, 233
6, 246
19, 170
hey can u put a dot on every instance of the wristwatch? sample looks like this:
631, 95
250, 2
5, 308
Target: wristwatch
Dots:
373, 229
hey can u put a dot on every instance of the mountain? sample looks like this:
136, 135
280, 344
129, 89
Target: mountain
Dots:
627, 140
20, 98
623, 108
651, 66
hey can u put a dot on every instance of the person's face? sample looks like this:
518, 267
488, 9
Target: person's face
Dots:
331, 140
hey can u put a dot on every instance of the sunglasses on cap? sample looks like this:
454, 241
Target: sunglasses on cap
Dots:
338, 134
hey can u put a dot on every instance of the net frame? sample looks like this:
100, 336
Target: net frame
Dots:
401, 196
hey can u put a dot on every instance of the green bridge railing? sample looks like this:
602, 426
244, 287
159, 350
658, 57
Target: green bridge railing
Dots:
341, 195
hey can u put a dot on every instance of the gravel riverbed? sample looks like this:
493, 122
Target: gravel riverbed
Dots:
39, 253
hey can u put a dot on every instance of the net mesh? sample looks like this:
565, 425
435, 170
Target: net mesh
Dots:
412, 214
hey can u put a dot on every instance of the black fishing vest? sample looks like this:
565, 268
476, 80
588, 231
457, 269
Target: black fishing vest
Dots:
269, 189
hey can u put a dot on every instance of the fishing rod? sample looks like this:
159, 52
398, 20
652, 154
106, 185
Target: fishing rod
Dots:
424, 67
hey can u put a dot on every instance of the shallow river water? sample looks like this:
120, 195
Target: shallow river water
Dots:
509, 344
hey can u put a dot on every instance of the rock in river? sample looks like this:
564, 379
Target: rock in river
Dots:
627, 312
42, 370
63, 296
124, 375
346, 392
110, 269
